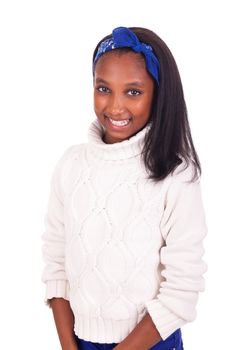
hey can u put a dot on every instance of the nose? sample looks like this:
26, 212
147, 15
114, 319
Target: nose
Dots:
115, 105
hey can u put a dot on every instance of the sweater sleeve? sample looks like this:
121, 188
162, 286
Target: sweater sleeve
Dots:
53, 249
183, 228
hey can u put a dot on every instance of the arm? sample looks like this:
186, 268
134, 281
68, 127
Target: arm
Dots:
183, 228
54, 274
64, 320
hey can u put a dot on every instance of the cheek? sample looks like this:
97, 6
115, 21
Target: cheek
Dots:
98, 102
148, 103
142, 107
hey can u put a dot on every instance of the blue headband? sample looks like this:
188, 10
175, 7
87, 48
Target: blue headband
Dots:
124, 37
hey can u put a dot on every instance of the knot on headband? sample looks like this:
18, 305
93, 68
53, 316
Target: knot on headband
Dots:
124, 37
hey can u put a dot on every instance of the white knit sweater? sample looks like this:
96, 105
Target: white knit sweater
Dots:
117, 245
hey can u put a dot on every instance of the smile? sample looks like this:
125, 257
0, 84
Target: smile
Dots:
119, 122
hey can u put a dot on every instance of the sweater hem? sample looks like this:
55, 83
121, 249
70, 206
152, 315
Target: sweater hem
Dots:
100, 330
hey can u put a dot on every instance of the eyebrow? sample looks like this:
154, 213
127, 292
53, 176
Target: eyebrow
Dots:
133, 83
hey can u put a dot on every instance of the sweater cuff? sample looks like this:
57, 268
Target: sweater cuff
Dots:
165, 321
56, 289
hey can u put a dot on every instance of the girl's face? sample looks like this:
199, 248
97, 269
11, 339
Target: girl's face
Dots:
123, 94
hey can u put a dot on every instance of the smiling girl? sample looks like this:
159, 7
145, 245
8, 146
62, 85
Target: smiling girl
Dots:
125, 224
123, 94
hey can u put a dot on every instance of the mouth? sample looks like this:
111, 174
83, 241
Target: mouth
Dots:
118, 124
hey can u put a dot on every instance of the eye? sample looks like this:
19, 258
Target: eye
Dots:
134, 92
102, 89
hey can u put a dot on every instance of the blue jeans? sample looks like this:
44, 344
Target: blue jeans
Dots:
173, 342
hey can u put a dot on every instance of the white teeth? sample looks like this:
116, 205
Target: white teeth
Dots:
119, 122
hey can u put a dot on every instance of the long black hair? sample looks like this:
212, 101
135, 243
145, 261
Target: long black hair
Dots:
168, 141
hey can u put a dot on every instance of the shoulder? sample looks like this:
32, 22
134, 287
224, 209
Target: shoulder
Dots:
66, 161
182, 183
71, 153
183, 204
185, 174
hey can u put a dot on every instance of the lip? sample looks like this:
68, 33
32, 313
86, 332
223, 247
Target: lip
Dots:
117, 120
116, 127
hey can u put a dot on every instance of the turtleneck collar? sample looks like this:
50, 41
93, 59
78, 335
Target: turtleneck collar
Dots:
114, 151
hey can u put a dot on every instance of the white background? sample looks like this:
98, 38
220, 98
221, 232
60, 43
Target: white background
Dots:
46, 106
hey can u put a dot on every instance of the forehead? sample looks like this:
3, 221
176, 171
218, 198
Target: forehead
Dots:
119, 64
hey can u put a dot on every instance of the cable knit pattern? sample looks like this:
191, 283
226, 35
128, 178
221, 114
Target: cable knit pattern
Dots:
117, 245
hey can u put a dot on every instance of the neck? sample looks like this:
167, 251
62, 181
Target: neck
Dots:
114, 151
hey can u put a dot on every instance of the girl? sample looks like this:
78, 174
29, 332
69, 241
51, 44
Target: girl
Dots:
125, 221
